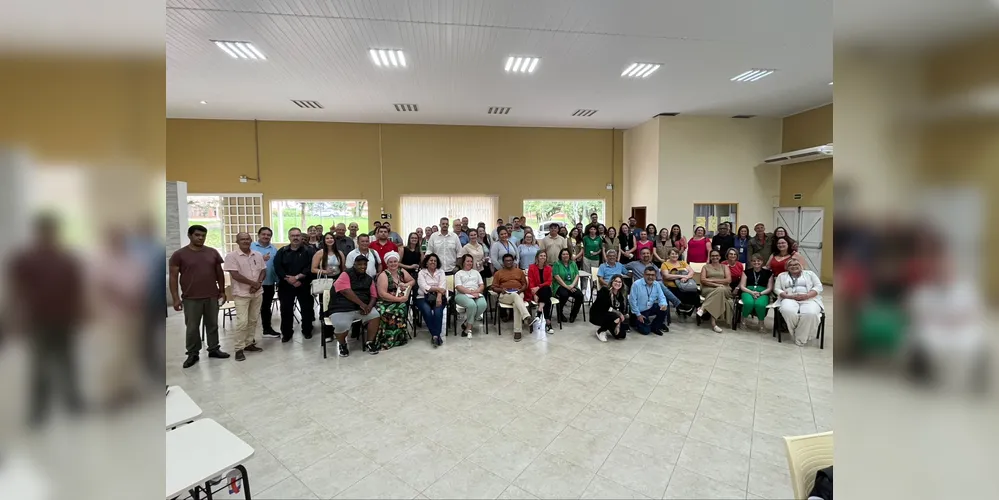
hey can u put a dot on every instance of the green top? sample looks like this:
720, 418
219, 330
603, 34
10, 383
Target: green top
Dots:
567, 273
592, 247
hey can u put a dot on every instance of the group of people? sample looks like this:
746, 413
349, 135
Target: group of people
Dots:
377, 278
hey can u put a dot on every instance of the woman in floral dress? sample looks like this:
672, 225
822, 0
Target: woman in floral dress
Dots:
394, 285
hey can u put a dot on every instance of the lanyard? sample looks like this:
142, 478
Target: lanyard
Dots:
756, 278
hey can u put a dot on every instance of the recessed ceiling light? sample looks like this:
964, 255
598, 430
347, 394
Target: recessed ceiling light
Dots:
388, 58
204, 102
640, 70
521, 64
240, 50
753, 75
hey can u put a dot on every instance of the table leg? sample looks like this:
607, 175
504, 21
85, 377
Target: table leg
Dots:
208, 490
246, 481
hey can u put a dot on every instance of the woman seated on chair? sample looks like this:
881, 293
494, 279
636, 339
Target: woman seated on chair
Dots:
799, 292
679, 278
328, 261
539, 287
715, 283
756, 285
565, 274
469, 289
394, 285
528, 250
735, 269
432, 297
610, 310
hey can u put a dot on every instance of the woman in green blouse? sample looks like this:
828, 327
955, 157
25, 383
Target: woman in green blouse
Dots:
565, 284
592, 249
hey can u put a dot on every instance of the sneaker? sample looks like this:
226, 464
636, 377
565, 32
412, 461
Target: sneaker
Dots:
252, 348
602, 336
372, 349
218, 353
717, 329
271, 334
344, 352
307, 335
516, 336
191, 360
548, 329
240, 356
285, 339
658, 332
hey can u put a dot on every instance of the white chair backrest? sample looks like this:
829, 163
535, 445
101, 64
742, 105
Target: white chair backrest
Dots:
806, 455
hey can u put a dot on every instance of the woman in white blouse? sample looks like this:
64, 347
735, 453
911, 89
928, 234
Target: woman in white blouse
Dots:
469, 289
800, 294
501, 247
431, 297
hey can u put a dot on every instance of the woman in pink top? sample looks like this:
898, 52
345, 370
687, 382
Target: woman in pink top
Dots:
644, 242
698, 246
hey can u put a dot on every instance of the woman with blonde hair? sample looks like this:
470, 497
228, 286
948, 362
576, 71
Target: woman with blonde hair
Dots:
800, 294
715, 287
528, 250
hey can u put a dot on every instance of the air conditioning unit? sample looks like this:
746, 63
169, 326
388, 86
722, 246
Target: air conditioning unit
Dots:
802, 155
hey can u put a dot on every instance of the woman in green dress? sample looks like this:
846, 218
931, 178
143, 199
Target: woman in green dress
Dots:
393, 286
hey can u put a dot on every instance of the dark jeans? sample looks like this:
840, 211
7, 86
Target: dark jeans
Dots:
287, 295
544, 298
608, 326
655, 316
53, 364
434, 316
265, 308
563, 295
197, 311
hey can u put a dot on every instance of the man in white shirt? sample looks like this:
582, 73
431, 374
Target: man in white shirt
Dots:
446, 245
363, 248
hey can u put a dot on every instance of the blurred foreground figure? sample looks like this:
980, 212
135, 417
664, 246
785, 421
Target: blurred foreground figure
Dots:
47, 291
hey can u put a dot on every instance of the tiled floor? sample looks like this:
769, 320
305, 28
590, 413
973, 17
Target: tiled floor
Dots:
692, 414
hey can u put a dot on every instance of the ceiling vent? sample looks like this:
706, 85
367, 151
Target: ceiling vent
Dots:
743, 117
498, 110
667, 114
584, 112
801, 155
307, 104
406, 107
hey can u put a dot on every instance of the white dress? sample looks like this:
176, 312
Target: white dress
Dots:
802, 317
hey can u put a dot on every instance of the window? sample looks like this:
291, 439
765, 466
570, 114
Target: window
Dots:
710, 215
286, 214
225, 216
423, 211
569, 212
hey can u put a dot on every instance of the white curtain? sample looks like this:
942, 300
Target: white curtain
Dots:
423, 211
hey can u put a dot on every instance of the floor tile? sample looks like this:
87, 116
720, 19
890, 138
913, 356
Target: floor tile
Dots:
515, 493
614, 401
558, 407
769, 481
717, 463
722, 434
735, 394
687, 485
603, 488
462, 436
676, 397
306, 450
666, 417
655, 441
505, 457
534, 429
551, 477
602, 422
423, 464
379, 484
636, 471
289, 487
467, 480
726, 411
582, 448
337, 472
769, 449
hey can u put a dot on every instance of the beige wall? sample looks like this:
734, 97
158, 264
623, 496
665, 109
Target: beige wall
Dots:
310, 160
641, 168
717, 160
812, 180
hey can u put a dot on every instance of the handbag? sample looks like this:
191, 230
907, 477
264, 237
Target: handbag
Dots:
321, 283
686, 286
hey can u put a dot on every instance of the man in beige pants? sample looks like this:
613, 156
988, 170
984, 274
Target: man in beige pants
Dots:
248, 270
509, 283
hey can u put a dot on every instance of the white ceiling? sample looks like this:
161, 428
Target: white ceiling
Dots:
317, 50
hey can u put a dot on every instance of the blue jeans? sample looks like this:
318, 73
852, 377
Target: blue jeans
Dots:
671, 299
654, 320
434, 316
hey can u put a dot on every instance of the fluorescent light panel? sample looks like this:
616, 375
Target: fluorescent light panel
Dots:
640, 70
389, 58
752, 75
521, 64
240, 50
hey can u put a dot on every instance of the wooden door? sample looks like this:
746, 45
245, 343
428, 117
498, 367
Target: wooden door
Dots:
639, 214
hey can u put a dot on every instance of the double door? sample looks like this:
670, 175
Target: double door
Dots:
804, 225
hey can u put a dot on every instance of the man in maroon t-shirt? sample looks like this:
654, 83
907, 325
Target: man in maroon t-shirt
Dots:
198, 268
382, 244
